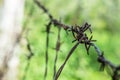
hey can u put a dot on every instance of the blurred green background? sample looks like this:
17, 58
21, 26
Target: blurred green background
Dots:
104, 17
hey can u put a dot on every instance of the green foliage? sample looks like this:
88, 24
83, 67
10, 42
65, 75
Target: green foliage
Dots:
104, 19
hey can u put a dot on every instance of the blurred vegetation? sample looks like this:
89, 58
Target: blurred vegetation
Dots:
101, 14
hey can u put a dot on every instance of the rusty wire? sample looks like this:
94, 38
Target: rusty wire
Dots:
81, 38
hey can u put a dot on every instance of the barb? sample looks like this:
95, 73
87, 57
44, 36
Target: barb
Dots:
104, 62
78, 31
101, 57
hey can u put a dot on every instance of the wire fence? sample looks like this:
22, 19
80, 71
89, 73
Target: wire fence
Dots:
80, 37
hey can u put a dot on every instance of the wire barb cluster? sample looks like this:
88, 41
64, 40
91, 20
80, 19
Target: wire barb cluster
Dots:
79, 31
115, 69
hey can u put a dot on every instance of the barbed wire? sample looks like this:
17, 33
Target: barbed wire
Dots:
80, 38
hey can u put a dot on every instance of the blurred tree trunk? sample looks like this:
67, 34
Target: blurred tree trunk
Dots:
10, 29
